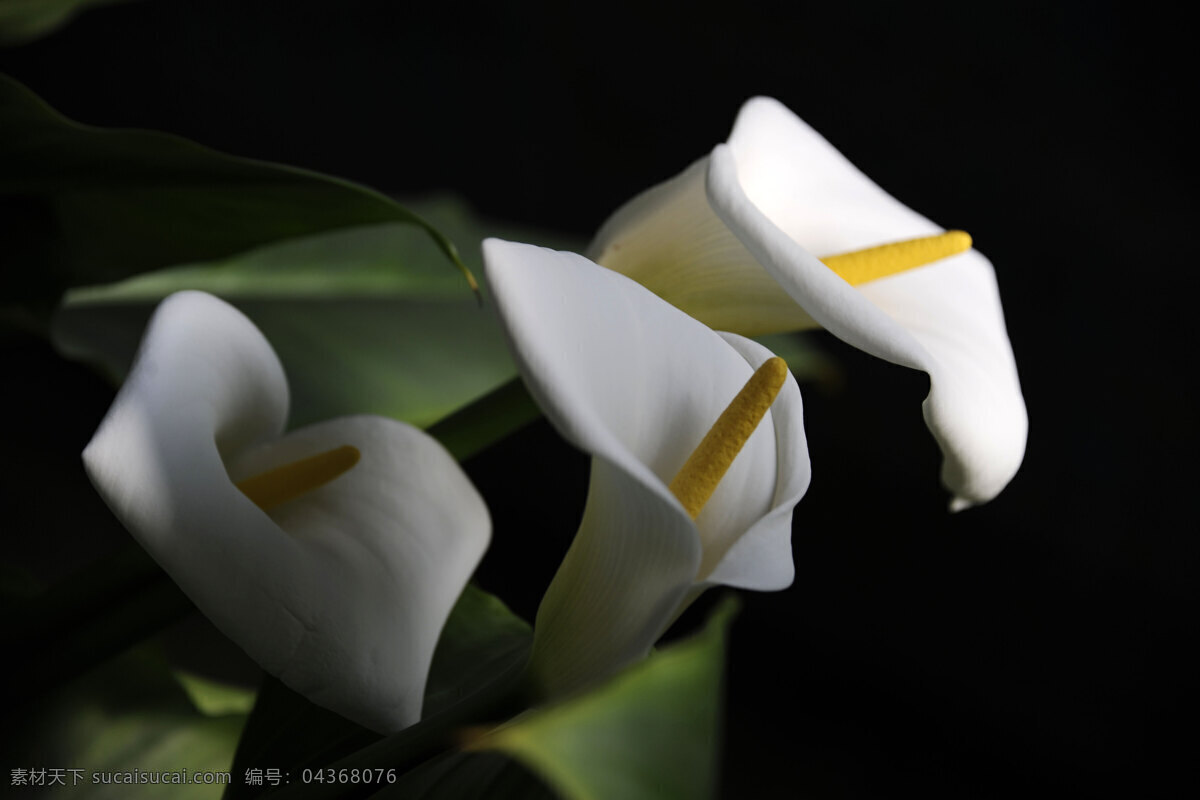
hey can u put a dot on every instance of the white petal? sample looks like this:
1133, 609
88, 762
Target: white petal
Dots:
623, 581
809, 189
975, 408
311, 597
833, 303
671, 242
779, 184
387, 548
205, 384
762, 558
636, 383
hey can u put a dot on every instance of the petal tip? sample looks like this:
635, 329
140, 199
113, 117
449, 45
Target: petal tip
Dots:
958, 504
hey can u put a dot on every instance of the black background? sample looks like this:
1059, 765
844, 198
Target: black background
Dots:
1032, 644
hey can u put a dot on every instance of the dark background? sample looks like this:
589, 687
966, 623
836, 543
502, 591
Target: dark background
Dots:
1033, 644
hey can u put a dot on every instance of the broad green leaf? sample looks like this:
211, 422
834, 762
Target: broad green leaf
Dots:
128, 716
649, 734
476, 670
365, 320
84, 205
25, 20
481, 639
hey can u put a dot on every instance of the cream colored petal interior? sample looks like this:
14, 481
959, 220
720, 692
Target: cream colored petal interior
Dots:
669, 240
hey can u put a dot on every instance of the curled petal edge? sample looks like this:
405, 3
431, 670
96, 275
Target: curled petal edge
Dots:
321, 591
976, 414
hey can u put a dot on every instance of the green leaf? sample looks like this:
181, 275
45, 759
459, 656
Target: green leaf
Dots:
481, 639
365, 320
213, 698
116, 603
475, 674
25, 20
649, 734
128, 716
84, 205
286, 731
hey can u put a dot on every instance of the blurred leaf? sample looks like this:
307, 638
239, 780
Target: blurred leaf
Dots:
486, 420
70, 632
365, 320
25, 20
286, 731
805, 359
215, 699
481, 638
475, 671
74, 602
649, 734
84, 205
129, 715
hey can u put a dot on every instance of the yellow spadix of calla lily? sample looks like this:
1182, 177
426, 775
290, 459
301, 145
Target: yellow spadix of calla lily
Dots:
881, 261
697, 479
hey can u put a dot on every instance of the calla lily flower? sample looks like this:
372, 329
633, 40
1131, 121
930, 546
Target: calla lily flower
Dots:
731, 240
332, 554
688, 490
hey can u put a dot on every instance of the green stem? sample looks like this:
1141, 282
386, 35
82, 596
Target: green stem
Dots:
477, 426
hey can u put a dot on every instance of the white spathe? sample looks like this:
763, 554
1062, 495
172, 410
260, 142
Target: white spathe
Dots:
637, 384
732, 239
341, 592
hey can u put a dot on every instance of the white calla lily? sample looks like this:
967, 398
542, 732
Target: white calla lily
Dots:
731, 241
341, 586
637, 384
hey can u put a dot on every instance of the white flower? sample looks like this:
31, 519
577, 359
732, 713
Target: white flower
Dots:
731, 241
341, 582
637, 384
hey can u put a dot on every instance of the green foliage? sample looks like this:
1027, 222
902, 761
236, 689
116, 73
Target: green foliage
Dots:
25, 20
476, 673
213, 698
115, 603
85, 205
482, 639
129, 715
365, 320
353, 291
649, 734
